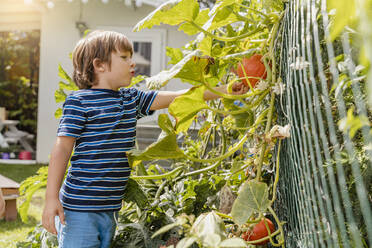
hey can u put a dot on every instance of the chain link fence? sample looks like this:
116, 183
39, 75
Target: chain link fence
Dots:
325, 186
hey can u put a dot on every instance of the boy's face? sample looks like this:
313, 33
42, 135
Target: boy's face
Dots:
121, 72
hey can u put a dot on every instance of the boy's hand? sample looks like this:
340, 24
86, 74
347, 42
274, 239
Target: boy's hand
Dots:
52, 208
239, 88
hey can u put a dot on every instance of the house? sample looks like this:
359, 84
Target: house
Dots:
61, 24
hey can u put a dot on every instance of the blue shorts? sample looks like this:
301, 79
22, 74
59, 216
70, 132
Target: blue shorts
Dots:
86, 229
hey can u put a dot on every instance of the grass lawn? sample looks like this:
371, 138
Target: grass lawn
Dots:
14, 231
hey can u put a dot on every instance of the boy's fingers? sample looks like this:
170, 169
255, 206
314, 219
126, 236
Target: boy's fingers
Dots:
48, 224
62, 216
52, 226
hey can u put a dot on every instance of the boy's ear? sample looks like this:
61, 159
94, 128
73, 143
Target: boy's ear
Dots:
98, 65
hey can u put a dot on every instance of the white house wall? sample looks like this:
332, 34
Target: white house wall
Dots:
58, 38
15, 15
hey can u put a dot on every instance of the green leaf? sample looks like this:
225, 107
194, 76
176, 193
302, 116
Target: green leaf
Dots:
195, 68
58, 113
29, 187
190, 69
190, 29
173, 12
186, 242
220, 15
345, 13
205, 45
352, 123
269, 5
165, 124
64, 86
134, 193
242, 120
63, 75
252, 198
185, 107
210, 229
60, 95
222, 18
179, 222
136, 80
175, 55
233, 242
162, 78
165, 148
165, 229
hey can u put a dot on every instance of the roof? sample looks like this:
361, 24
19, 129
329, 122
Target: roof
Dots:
134, 3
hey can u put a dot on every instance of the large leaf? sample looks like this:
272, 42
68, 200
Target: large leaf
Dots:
190, 69
164, 148
134, 193
185, 107
190, 29
242, 120
173, 12
162, 78
252, 198
222, 18
210, 229
194, 70
175, 55
165, 124
221, 15
204, 44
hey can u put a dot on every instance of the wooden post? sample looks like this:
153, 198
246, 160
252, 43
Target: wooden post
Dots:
10, 190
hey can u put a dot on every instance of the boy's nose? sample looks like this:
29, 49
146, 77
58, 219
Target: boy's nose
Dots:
133, 63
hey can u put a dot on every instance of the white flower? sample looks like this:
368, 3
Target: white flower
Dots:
280, 132
279, 88
170, 212
262, 85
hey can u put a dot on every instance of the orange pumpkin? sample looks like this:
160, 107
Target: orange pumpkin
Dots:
259, 231
253, 68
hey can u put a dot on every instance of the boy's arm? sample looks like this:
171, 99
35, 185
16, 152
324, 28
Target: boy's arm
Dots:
165, 98
57, 167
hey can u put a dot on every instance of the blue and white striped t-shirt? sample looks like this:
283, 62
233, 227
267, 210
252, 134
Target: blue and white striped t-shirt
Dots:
104, 124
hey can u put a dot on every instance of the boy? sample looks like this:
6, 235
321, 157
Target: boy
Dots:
99, 122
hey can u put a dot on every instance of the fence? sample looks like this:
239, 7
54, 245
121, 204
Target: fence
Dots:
325, 182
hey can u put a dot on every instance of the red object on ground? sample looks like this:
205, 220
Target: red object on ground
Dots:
253, 67
25, 155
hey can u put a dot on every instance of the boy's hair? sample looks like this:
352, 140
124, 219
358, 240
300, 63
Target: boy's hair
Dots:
98, 44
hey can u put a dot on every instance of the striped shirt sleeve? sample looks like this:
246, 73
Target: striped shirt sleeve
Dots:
73, 118
144, 100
